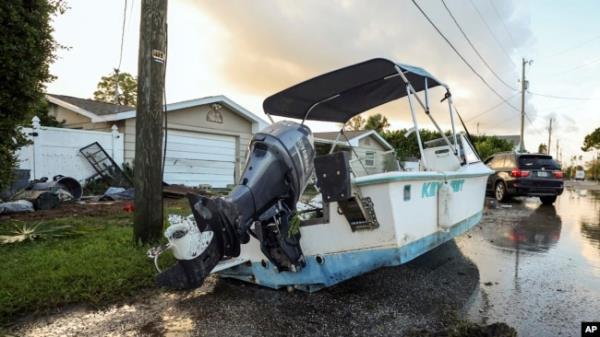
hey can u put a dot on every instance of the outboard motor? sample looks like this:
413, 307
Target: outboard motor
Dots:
279, 165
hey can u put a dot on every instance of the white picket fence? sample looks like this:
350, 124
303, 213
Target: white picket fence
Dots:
55, 151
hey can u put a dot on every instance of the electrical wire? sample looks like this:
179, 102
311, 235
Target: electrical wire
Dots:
475, 49
492, 108
512, 40
462, 57
502, 47
118, 68
573, 47
535, 130
579, 66
122, 36
504, 99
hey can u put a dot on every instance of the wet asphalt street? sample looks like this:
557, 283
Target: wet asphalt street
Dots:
534, 267
539, 265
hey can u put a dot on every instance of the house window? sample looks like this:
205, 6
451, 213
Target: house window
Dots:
370, 158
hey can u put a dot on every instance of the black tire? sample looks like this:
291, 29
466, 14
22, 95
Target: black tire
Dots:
500, 192
548, 200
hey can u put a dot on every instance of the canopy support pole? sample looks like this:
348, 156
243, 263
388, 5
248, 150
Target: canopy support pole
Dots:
449, 95
270, 118
337, 138
316, 104
414, 118
409, 91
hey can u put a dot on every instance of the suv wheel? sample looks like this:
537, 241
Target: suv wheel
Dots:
500, 192
548, 200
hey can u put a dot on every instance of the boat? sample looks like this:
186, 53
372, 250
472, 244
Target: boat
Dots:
365, 221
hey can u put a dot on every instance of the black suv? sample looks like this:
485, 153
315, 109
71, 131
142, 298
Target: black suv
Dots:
524, 174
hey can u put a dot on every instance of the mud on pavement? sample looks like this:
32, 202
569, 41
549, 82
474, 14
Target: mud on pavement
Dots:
426, 293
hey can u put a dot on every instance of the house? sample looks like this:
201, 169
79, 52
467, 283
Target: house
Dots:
368, 147
207, 138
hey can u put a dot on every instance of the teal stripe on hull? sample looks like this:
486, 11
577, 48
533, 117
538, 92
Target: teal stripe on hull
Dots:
338, 267
384, 179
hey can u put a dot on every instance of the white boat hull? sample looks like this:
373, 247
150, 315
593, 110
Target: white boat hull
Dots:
406, 206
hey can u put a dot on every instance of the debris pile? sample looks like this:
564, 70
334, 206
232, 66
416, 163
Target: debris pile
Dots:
42, 194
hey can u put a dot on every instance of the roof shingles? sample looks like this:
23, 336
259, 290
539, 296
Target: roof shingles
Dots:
96, 107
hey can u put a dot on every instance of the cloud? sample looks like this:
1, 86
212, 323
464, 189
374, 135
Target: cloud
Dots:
271, 45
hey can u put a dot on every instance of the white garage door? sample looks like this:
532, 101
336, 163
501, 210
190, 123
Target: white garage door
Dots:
195, 158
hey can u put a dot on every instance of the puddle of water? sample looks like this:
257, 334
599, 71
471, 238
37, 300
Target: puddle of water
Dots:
539, 265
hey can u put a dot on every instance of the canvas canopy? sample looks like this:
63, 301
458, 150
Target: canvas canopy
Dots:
339, 95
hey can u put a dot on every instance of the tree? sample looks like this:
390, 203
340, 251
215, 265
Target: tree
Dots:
542, 148
356, 123
488, 145
107, 89
377, 122
408, 148
592, 141
27, 48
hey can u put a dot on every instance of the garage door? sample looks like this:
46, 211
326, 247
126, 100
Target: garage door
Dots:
195, 158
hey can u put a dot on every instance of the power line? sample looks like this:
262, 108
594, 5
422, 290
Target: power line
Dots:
573, 47
122, 34
504, 100
475, 49
535, 130
118, 68
462, 57
493, 107
503, 24
502, 47
579, 66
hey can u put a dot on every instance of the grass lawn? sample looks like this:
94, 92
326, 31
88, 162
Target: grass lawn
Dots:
100, 266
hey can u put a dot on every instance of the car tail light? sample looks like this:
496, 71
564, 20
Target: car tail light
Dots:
558, 174
519, 173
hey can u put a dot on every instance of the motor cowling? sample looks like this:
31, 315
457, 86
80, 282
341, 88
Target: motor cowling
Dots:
279, 165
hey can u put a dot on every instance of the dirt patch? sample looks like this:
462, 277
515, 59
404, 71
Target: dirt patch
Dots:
86, 209
69, 209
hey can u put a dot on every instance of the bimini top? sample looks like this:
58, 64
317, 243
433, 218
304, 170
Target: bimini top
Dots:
339, 95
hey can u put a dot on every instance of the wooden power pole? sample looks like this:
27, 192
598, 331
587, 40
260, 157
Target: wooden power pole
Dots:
148, 214
524, 85
549, 137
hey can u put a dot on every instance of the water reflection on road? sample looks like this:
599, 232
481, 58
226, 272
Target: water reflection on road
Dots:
539, 265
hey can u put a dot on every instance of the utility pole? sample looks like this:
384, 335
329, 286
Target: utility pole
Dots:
478, 128
148, 214
524, 85
557, 148
549, 137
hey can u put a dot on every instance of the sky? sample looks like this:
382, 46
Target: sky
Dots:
248, 50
